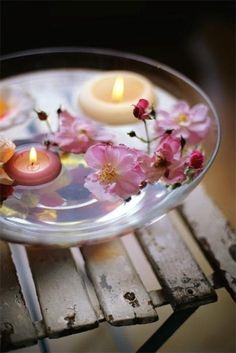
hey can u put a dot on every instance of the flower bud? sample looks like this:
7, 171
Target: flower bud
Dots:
131, 133
42, 115
196, 160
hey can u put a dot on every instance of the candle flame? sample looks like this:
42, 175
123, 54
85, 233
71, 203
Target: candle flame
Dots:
33, 156
118, 89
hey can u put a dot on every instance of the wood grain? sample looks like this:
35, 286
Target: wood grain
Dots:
64, 302
180, 276
17, 329
214, 235
121, 293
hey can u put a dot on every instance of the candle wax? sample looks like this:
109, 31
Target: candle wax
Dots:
96, 96
46, 168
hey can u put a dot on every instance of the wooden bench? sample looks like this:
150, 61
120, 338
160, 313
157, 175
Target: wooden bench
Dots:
77, 290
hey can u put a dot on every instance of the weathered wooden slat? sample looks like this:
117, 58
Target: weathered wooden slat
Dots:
213, 234
79, 261
121, 293
17, 329
181, 278
64, 302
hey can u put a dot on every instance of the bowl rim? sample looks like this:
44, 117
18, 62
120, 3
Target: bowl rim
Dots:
127, 55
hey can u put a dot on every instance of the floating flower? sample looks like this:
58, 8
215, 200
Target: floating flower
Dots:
7, 149
15, 107
171, 160
166, 163
77, 135
150, 169
118, 174
175, 173
190, 123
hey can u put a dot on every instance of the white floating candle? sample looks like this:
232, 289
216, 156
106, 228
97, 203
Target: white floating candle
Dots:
109, 97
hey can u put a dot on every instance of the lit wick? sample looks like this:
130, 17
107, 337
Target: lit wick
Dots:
118, 90
33, 159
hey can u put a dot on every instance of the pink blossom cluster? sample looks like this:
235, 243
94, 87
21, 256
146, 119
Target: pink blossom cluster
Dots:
76, 135
120, 171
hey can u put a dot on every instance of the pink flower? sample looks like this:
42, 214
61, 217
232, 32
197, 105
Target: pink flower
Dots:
171, 160
196, 160
166, 163
150, 168
77, 135
175, 173
190, 123
141, 110
118, 174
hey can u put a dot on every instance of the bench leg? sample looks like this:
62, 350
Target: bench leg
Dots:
166, 330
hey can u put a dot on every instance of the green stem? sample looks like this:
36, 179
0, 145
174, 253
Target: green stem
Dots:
141, 139
49, 126
156, 138
148, 138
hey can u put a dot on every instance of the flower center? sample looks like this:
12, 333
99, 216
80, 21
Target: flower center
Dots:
182, 118
160, 162
3, 109
108, 174
82, 132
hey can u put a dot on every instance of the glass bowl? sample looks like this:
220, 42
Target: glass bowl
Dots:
53, 77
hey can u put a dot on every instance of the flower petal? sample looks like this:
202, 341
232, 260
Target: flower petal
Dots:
198, 113
181, 107
95, 156
98, 190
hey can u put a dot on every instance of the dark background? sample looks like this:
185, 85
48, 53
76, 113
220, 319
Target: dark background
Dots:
195, 37
168, 31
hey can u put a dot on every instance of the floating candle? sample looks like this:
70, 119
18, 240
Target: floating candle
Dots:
109, 97
33, 165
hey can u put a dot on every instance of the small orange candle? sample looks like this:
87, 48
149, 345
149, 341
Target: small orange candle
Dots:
33, 165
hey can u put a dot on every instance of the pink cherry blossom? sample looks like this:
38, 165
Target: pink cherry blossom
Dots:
76, 135
190, 123
151, 170
175, 173
118, 174
166, 163
141, 110
171, 159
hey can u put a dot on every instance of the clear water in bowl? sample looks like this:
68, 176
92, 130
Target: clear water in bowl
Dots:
63, 212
